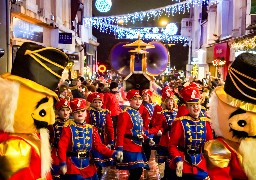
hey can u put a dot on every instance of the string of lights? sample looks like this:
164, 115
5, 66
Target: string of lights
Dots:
170, 10
167, 34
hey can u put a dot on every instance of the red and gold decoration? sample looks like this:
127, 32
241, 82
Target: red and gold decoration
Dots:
102, 68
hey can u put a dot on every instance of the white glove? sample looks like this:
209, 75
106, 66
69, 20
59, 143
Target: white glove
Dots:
159, 133
151, 142
119, 156
63, 169
109, 146
179, 168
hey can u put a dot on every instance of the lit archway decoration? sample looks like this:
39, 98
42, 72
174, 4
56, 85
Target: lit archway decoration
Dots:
102, 68
103, 5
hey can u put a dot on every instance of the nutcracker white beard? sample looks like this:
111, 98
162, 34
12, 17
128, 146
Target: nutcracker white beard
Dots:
45, 152
248, 152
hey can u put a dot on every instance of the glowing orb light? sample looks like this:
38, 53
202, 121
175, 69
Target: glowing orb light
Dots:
103, 5
171, 29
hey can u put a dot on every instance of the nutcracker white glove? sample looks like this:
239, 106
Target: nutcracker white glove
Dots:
151, 142
63, 169
179, 168
159, 133
119, 156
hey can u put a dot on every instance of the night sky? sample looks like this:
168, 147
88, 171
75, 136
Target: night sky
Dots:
178, 53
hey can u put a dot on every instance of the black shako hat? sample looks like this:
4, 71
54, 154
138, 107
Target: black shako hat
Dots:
240, 86
41, 65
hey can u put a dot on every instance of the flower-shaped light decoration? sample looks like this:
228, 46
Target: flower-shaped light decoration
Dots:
103, 5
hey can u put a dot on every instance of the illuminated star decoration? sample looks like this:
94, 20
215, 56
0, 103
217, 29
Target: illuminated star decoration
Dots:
103, 5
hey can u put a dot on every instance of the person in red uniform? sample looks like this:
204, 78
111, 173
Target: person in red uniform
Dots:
232, 155
187, 137
162, 126
101, 119
77, 141
182, 110
111, 103
130, 137
63, 109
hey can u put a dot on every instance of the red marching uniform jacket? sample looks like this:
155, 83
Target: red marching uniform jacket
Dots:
111, 103
187, 138
146, 118
155, 121
102, 120
76, 138
27, 152
124, 128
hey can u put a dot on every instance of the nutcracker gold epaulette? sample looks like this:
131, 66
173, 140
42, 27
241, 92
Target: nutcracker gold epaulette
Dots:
217, 154
190, 118
202, 107
69, 122
126, 108
88, 126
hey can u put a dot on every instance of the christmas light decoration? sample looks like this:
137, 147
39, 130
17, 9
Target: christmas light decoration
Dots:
244, 44
218, 62
167, 34
103, 5
170, 10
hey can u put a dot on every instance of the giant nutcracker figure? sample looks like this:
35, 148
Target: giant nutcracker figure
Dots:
76, 143
233, 114
187, 137
101, 119
26, 109
130, 137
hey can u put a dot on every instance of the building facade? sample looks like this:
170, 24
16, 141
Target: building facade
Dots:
55, 23
214, 28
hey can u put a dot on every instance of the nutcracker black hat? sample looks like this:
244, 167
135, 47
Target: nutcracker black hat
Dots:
240, 86
38, 67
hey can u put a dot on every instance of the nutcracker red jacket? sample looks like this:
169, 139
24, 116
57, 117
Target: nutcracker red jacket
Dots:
125, 127
186, 130
111, 103
66, 144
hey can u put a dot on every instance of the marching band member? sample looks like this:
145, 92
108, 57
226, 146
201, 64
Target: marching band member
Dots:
63, 109
111, 102
163, 121
130, 137
187, 137
101, 119
77, 141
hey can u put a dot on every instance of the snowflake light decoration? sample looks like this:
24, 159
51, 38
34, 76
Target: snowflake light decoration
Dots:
103, 5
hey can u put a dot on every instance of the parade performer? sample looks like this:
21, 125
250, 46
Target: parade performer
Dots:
63, 111
26, 109
187, 137
100, 118
233, 116
163, 120
111, 103
182, 110
77, 141
130, 137
146, 110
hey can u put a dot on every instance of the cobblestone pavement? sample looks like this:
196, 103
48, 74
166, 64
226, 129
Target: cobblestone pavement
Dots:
115, 174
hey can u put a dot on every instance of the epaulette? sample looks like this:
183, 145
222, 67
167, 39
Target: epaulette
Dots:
88, 126
202, 107
69, 123
190, 118
217, 154
126, 108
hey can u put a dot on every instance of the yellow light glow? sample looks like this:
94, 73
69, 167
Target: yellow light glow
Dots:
163, 22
